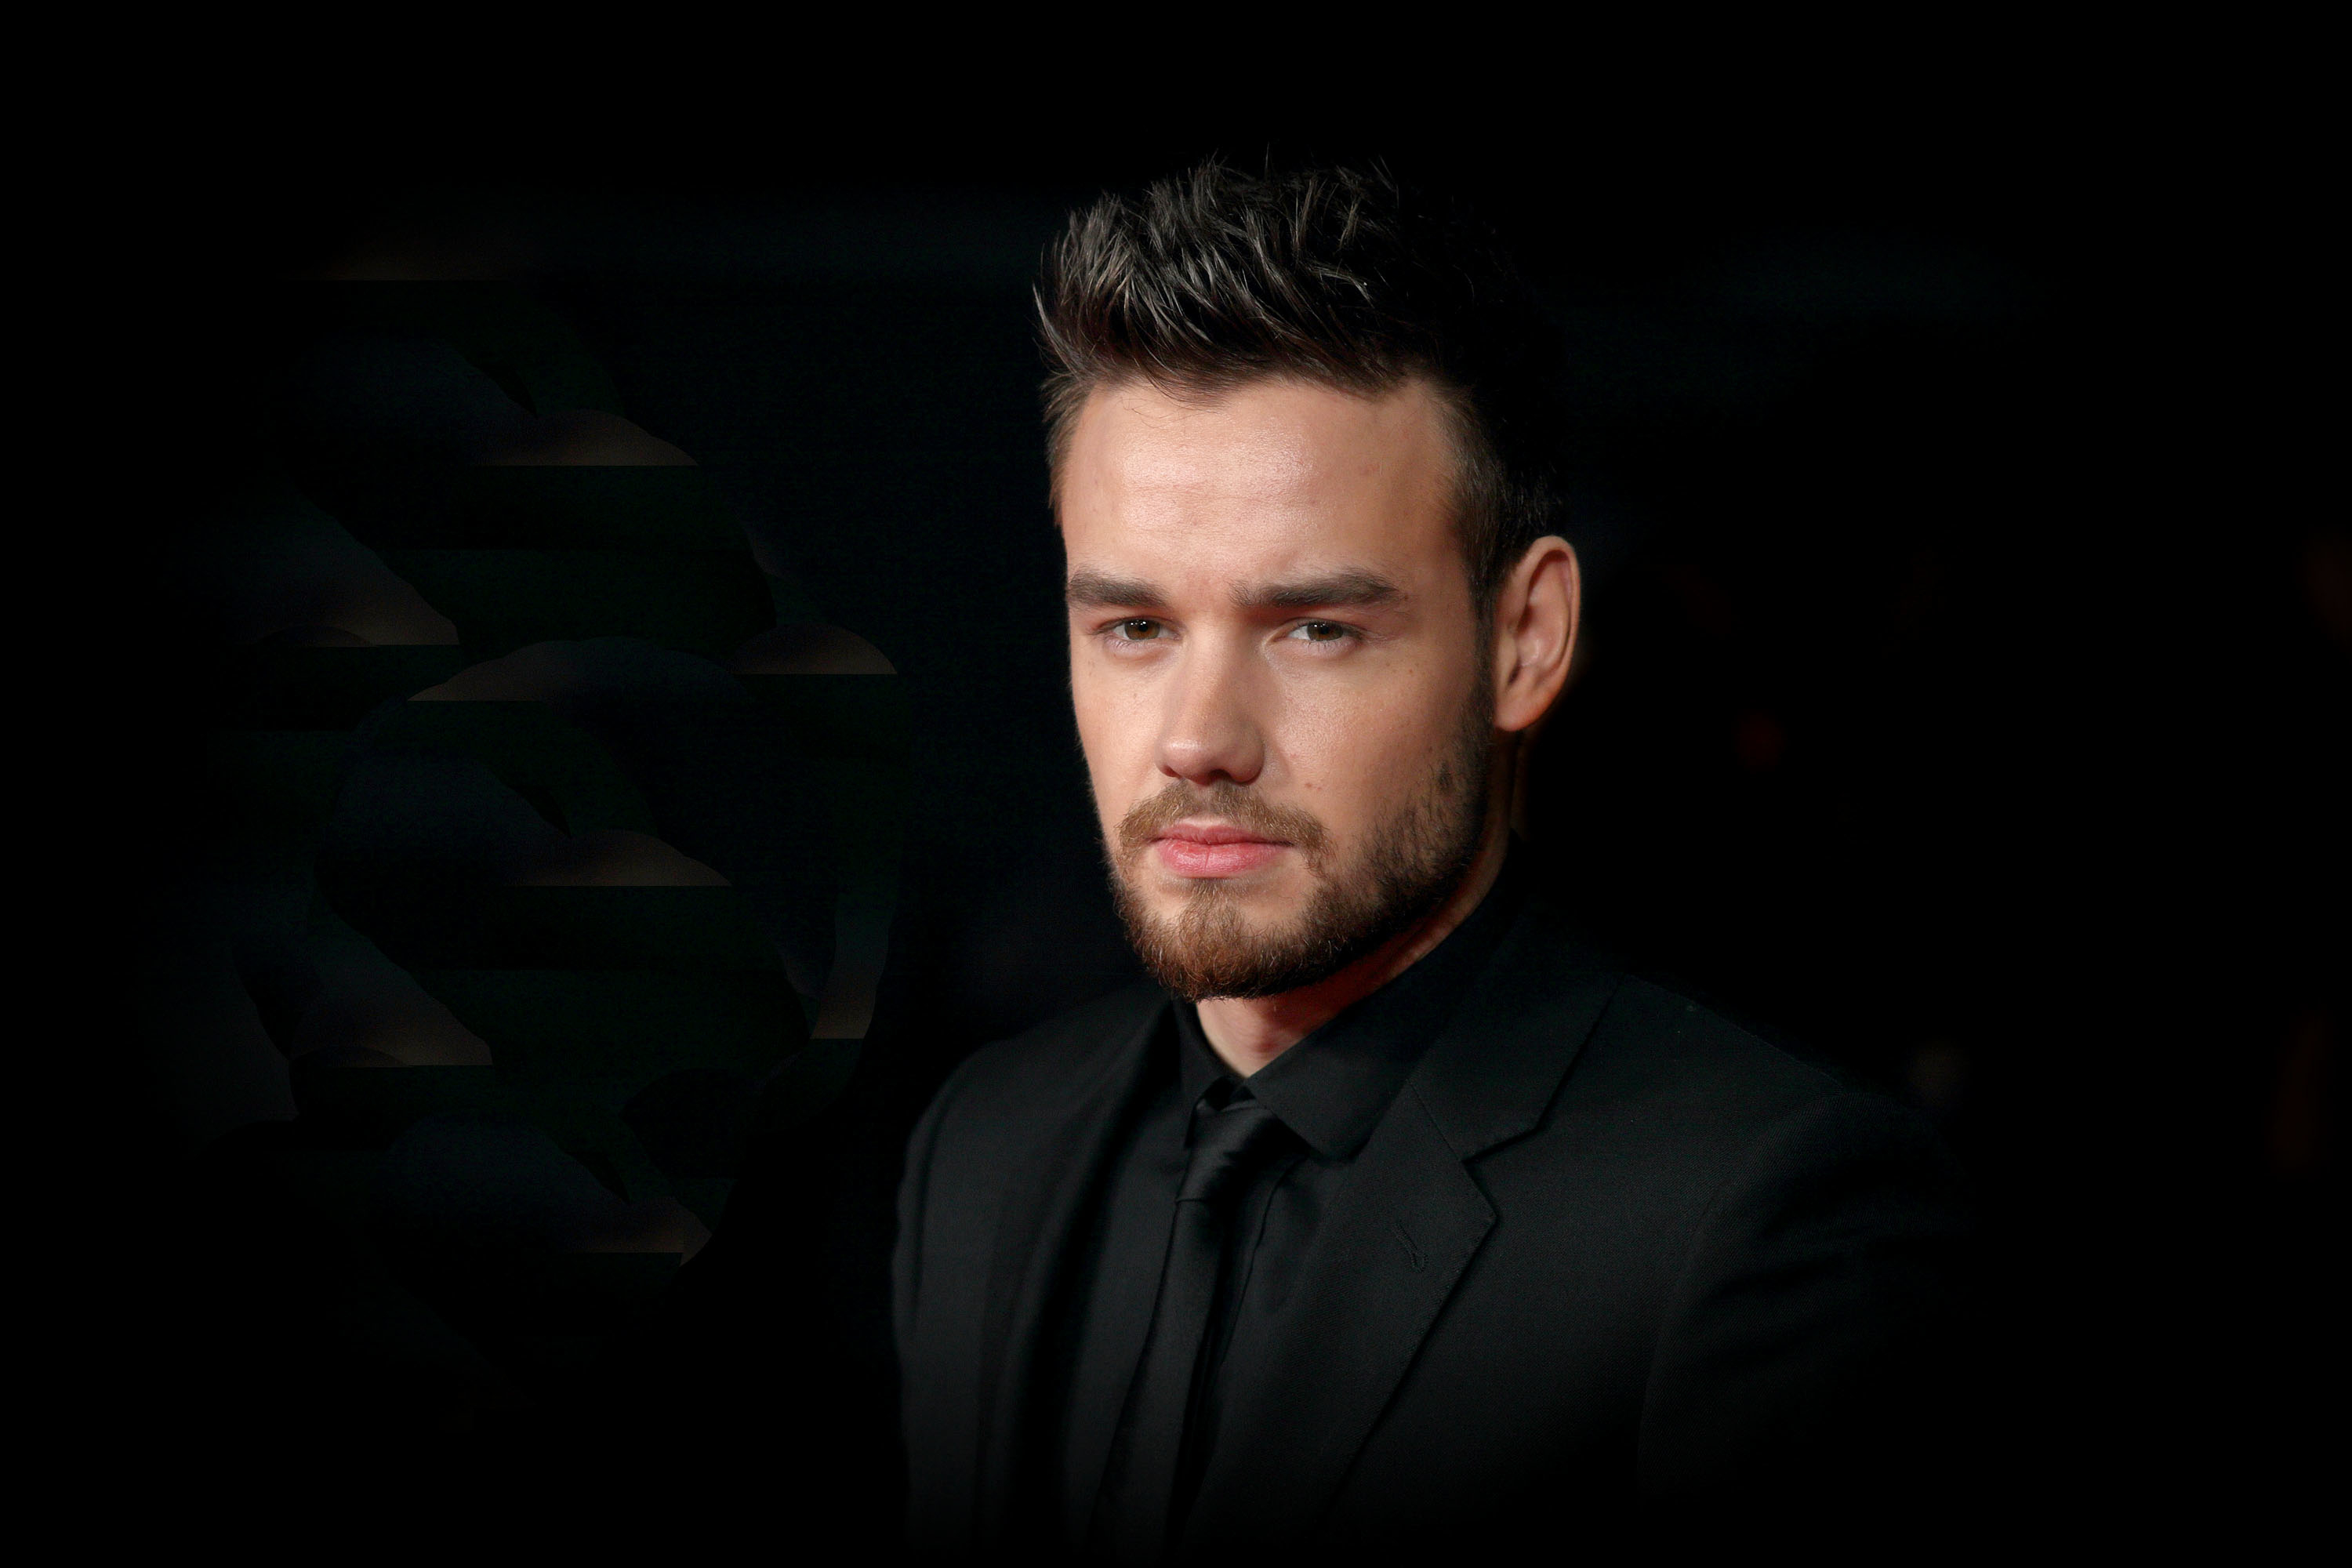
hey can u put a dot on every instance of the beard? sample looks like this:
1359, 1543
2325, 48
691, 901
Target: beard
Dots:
1409, 863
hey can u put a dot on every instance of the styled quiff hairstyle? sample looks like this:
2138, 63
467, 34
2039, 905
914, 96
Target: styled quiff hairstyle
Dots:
1338, 276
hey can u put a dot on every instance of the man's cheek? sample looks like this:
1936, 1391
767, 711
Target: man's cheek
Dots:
1338, 755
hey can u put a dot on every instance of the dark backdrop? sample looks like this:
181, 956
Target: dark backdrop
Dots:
1964, 702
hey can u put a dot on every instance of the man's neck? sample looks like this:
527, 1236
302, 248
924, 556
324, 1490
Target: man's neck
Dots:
1249, 1032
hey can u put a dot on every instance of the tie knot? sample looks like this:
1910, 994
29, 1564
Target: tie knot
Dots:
1225, 1143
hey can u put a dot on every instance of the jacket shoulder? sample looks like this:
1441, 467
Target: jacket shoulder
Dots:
983, 1124
1733, 1102
1678, 1110
1656, 1044
1035, 1066
1677, 1134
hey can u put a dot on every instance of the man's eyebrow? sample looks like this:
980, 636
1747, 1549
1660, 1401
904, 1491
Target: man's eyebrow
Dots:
1335, 590
1097, 590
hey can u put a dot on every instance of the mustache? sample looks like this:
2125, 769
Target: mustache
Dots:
1227, 802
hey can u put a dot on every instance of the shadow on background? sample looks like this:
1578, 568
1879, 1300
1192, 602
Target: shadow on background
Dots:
529, 1075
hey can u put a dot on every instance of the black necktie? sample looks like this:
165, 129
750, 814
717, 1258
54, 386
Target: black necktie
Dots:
1227, 1145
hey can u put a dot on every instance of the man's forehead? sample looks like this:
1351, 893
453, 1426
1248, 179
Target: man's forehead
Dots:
1130, 446
1267, 484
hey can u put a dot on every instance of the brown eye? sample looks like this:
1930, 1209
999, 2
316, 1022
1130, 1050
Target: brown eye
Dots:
1138, 630
1321, 631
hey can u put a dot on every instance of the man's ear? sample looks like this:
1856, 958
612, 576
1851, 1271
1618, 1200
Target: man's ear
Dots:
1536, 617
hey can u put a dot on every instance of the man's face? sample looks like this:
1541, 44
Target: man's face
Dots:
1279, 675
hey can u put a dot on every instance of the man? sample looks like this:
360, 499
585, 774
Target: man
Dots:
1386, 1214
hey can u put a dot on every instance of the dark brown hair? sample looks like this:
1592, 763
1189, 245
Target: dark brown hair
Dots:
1341, 275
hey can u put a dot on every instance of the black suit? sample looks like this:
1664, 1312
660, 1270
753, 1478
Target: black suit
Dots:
1603, 1251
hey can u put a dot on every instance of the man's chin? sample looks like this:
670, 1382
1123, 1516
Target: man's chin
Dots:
1216, 939
1267, 900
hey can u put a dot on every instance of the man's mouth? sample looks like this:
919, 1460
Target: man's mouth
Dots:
1213, 849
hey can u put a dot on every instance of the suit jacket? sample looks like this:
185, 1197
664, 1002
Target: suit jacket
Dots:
1604, 1253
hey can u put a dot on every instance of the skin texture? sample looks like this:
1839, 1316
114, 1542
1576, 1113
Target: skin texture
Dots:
1266, 591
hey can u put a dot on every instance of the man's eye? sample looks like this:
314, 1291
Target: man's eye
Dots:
1319, 631
1137, 630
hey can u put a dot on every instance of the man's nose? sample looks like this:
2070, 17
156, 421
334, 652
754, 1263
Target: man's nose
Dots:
1211, 731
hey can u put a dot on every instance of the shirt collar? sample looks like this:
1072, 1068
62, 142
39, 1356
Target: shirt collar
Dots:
1332, 1087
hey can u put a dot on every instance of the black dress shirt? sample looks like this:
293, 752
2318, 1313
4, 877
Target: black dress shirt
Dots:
1328, 1092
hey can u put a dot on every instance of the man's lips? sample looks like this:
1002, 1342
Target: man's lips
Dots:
1213, 849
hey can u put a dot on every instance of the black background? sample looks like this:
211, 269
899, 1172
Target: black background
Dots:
1964, 702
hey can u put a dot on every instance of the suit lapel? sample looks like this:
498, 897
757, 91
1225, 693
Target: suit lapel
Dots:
1395, 1245
1098, 1396
1044, 1204
1387, 1256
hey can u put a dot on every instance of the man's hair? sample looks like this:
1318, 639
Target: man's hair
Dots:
1340, 276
